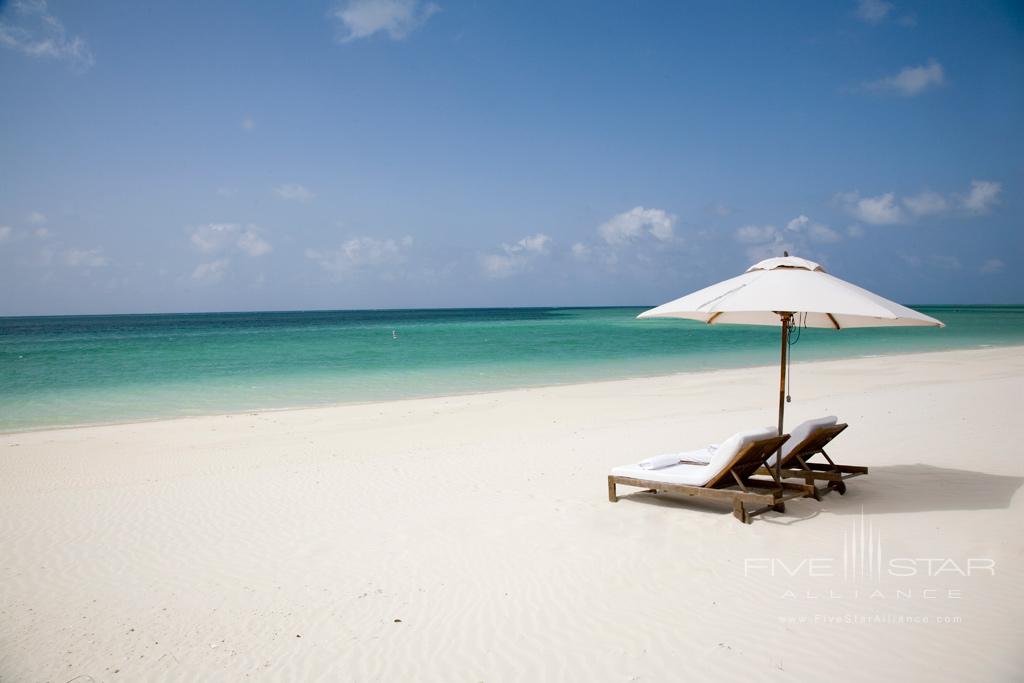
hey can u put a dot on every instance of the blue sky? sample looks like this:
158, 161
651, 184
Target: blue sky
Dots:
401, 153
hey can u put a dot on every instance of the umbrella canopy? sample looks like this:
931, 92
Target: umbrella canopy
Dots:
790, 291
790, 284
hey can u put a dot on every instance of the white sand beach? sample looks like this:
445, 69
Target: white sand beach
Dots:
470, 538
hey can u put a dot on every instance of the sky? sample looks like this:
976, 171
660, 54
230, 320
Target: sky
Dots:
229, 156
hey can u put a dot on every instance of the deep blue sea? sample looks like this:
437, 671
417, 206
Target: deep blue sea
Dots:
68, 370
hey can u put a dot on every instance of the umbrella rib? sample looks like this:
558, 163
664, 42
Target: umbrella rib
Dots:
714, 317
832, 319
721, 296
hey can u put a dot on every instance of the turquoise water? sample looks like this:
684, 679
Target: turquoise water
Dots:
92, 369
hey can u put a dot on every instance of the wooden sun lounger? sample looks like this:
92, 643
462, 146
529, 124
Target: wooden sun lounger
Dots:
733, 483
796, 465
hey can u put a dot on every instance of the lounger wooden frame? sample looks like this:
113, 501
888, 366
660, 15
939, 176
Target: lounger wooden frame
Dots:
796, 465
733, 483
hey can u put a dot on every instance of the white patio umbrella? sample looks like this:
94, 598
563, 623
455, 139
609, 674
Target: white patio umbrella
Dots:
790, 291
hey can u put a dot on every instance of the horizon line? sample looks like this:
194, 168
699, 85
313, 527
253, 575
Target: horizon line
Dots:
425, 308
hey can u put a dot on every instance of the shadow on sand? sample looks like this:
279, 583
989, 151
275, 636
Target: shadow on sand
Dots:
887, 489
924, 488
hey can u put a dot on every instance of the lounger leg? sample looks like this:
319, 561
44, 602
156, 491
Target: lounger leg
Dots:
612, 494
739, 512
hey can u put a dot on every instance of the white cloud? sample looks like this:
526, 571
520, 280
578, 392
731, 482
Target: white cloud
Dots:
926, 203
798, 236
624, 238
537, 244
252, 244
580, 251
214, 238
515, 258
992, 265
855, 231
983, 195
765, 241
293, 192
815, 232
501, 265
39, 34
798, 223
630, 225
248, 124
911, 80
211, 272
362, 253
873, 11
822, 234
880, 210
397, 18
756, 234
40, 232
86, 258
886, 209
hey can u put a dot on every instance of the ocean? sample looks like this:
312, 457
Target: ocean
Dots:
72, 370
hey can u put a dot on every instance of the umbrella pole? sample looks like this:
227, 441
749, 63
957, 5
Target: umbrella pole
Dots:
782, 388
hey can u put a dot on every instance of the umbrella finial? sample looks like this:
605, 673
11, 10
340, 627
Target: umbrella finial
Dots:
785, 253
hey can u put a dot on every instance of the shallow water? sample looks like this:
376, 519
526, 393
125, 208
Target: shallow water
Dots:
91, 369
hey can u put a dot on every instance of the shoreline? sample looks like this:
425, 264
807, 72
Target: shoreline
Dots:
343, 404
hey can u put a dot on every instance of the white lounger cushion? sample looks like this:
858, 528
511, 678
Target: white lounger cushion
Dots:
697, 475
801, 432
694, 475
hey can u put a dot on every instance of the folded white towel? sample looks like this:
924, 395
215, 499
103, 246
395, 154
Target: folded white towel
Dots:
659, 461
701, 455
